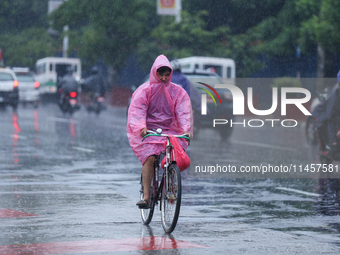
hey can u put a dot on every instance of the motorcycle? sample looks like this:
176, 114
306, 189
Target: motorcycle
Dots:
69, 103
97, 104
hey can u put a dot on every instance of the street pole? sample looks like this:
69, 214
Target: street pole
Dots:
65, 42
179, 9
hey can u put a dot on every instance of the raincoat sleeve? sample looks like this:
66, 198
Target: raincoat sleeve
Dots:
183, 110
323, 111
138, 110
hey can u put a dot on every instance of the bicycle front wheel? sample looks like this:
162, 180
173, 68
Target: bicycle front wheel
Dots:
147, 214
171, 198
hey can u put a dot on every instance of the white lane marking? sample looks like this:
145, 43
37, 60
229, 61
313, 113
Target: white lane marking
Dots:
82, 149
299, 191
264, 145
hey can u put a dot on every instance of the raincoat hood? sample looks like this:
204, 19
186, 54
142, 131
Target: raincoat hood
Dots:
156, 104
160, 61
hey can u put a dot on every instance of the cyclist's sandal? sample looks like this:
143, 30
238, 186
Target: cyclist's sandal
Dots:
143, 204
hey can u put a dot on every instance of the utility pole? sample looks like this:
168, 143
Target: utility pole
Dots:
53, 5
65, 42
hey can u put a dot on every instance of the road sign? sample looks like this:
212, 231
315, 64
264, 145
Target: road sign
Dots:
169, 7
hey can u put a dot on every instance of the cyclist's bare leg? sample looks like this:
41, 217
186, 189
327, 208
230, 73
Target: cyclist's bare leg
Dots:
147, 172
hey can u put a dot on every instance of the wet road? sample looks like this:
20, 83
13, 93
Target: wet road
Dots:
69, 185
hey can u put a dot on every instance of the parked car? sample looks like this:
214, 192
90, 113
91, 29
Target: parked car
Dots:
29, 86
9, 88
213, 112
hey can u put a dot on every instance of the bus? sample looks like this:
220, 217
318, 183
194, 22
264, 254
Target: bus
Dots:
224, 67
51, 69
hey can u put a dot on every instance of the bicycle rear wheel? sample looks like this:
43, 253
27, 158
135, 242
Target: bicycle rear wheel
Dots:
171, 199
147, 214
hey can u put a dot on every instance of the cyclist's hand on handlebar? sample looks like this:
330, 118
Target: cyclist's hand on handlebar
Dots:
143, 132
187, 134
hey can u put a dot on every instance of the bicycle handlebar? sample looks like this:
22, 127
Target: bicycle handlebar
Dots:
153, 133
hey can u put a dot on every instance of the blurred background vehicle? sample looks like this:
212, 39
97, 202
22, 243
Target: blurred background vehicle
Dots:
29, 86
69, 102
311, 132
50, 71
9, 88
224, 67
94, 89
224, 111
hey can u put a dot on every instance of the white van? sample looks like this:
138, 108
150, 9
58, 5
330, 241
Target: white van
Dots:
51, 69
224, 67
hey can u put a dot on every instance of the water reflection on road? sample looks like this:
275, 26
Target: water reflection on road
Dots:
79, 175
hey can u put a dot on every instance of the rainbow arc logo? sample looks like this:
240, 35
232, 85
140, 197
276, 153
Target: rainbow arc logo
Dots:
209, 93
204, 97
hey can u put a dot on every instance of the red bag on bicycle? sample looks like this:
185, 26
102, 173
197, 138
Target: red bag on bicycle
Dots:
178, 154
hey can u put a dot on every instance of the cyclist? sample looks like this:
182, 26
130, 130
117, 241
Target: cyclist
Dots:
179, 78
328, 113
158, 103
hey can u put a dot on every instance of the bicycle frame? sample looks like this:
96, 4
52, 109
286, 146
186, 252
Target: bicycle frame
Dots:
167, 188
158, 184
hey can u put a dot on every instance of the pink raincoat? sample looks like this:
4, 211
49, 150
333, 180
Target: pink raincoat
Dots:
156, 104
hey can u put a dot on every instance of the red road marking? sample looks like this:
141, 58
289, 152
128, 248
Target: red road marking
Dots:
108, 245
8, 213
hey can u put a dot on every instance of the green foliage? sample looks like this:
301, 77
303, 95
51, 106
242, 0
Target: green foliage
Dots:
23, 36
239, 15
286, 82
305, 22
109, 29
328, 29
17, 15
23, 49
189, 37
279, 35
113, 30
242, 48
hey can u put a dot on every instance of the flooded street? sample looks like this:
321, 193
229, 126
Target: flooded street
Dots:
69, 185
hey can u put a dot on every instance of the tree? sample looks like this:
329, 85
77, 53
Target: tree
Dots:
278, 35
239, 15
108, 30
189, 37
23, 37
24, 48
323, 29
18, 15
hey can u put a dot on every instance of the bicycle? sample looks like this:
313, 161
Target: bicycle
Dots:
167, 189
